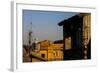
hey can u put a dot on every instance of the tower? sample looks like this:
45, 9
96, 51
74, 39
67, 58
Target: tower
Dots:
30, 35
30, 41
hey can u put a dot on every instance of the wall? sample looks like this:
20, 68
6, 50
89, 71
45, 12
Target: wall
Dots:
5, 37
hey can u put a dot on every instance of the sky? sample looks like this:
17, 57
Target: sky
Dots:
44, 24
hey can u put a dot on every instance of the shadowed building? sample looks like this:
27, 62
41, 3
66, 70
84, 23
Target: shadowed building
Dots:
77, 37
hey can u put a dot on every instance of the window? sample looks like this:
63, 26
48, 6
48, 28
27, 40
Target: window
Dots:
43, 55
68, 43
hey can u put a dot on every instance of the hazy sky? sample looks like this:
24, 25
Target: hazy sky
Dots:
44, 24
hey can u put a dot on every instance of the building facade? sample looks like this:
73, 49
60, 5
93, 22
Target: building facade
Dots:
77, 37
49, 51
